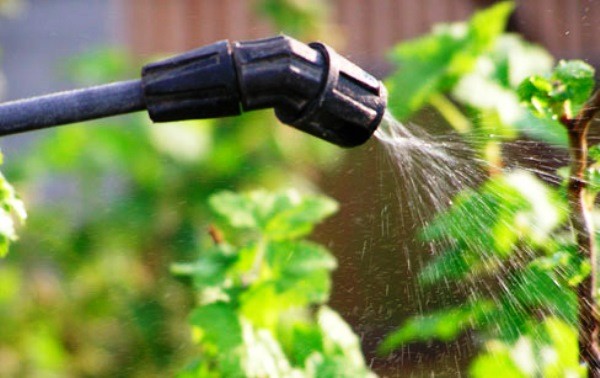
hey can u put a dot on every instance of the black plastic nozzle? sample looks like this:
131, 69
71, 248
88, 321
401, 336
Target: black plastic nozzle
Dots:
201, 83
311, 87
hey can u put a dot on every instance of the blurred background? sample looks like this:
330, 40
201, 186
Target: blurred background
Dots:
87, 291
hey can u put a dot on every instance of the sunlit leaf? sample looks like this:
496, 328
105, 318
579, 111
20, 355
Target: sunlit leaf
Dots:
264, 355
343, 354
282, 215
551, 351
299, 258
220, 328
538, 289
483, 226
544, 129
299, 219
211, 268
561, 93
499, 360
237, 209
443, 325
435, 62
302, 338
594, 153
491, 88
453, 264
578, 79
12, 210
263, 303
522, 59
567, 264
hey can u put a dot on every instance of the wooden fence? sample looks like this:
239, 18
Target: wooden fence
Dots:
370, 27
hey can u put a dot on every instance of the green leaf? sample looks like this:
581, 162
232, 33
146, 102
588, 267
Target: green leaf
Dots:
269, 284
535, 92
483, 226
319, 366
198, 368
298, 258
520, 59
564, 362
342, 351
313, 288
594, 153
566, 263
422, 65
236, 209
211, 268
524, 296
283, 215
486, 25
433, 63
443, 325
513, 308
544, 129
263, 303
12, 210
499, 360
453, 264
299, 219
491, 88
303, 340
550, 350
221, 331
562, 93
264, 355
301, 272
578, 78
538, 289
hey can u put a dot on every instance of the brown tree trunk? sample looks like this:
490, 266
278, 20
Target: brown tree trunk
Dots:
580, 207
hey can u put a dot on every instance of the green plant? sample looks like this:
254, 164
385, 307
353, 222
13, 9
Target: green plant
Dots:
521, 246
87, 290
11, 209
93, 264
565, 95
262, 292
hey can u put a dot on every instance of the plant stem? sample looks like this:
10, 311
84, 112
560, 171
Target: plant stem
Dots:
492, 154
583, 228
451, 113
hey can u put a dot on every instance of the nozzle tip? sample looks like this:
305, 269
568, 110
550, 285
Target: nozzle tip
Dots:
349, 107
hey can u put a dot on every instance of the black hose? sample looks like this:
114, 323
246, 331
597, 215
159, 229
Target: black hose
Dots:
71, 106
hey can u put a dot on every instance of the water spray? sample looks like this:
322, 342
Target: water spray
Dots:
310, 87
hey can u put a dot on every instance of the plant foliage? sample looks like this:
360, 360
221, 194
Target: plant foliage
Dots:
87, 290
11, 209
262, 297
506, 241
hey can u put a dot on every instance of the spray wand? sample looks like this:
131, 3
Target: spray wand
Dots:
311, 88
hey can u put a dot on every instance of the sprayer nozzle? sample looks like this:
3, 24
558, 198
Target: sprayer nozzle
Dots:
311, 87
